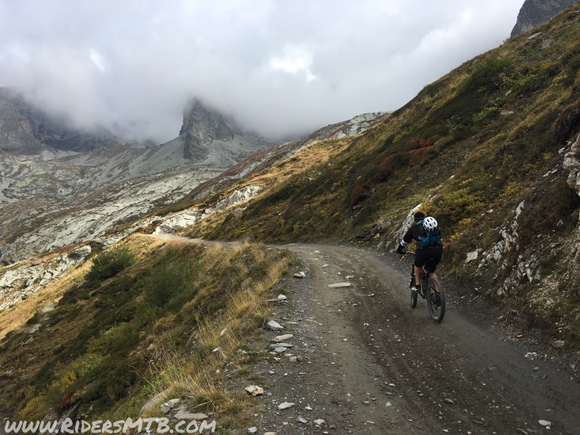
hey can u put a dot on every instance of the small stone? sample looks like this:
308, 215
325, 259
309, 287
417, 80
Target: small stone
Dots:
274, 326
168, 406
285, 405
270, 433
253, 429
450, 401
48, 308
272, 372
81, 252
558, 344
301, 420
319, 422
280, 349
340, 285
254, 390
299, 358
287, 345
471, 256
299, 275
547, 43
281, 338
545, 423
308, 408
282, 298
35, 328
182, 414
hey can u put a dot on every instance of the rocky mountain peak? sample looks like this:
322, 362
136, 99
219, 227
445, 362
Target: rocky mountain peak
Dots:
28, 130
202, 126
535, 12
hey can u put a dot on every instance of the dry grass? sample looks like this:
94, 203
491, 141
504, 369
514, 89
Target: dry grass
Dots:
301, 162
216, 337
191, 342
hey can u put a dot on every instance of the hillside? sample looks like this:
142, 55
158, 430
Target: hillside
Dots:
152, 319
483, 150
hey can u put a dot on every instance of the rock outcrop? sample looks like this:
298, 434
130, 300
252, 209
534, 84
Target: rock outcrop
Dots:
572, 164
536, 12
183, 219
22, 280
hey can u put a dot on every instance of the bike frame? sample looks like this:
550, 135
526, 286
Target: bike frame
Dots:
431, 290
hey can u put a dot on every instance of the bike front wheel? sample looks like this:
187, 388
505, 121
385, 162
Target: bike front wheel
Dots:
435, 299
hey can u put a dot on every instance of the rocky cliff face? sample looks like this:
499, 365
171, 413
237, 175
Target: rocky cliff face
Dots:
210, 138
200, 128
535, 12
27, 130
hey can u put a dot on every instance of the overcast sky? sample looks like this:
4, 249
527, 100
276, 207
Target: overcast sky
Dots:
281, 67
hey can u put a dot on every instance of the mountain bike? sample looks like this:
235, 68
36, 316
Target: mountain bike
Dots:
432, 291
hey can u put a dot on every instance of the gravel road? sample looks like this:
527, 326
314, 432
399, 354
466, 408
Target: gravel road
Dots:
372, 365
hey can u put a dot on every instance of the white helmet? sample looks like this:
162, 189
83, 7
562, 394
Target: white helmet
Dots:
429, 223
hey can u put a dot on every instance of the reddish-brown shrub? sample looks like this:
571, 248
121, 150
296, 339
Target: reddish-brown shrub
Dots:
358, 194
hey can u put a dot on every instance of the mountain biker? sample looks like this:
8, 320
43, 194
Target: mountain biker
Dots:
429, 249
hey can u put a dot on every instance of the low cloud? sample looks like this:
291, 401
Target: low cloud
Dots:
280, 68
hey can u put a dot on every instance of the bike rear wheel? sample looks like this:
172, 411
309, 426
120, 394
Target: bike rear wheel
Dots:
413, 294
435, 300
413, 299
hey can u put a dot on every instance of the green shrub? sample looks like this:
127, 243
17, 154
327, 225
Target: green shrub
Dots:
109, 263
458, 205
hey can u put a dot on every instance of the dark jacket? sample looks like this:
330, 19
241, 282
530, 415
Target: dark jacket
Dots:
414, 233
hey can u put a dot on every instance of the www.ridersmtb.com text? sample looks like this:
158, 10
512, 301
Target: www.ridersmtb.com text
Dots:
67, 426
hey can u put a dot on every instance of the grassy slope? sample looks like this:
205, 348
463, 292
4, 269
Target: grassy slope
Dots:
152, 328
479, 139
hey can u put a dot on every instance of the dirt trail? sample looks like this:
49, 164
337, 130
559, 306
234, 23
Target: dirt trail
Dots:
373, 365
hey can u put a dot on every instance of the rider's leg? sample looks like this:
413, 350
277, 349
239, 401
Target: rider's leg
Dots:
432, 264
434, 275
417, 276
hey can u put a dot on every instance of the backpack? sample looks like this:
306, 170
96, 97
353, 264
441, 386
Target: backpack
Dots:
430, 238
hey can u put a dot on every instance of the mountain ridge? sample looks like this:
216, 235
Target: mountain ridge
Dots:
533, 13
60, 198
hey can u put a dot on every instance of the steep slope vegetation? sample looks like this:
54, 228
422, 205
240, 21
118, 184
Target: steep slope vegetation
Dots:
152, 320
482, 150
